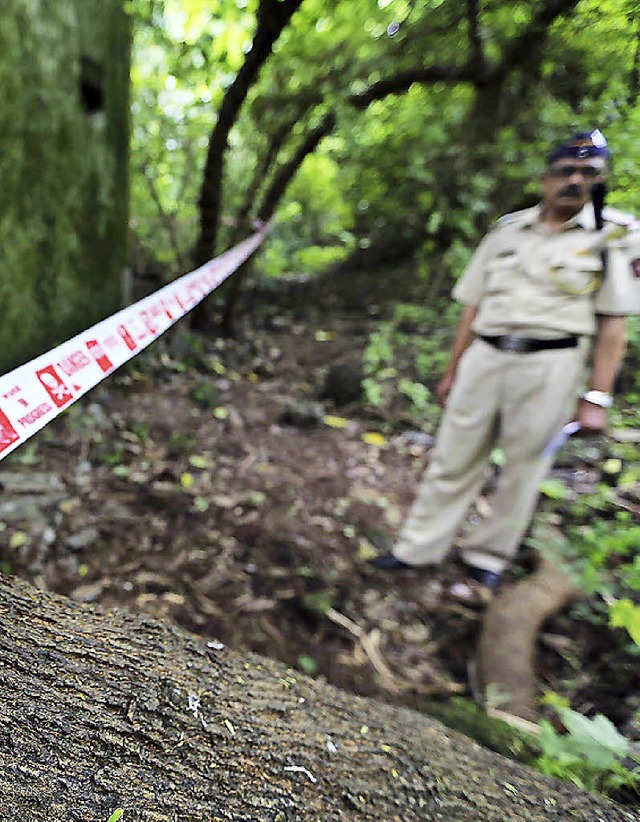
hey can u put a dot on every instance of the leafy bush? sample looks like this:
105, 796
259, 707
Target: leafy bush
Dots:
601, 553
590, 754
405, 357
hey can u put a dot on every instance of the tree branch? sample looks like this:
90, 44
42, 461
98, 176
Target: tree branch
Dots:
166, 218
272, 18
476, 56
263, 167
520, 48
634, 77
286, 173
405, 79
274, 194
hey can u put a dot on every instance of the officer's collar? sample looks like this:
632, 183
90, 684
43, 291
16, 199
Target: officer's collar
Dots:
583, 219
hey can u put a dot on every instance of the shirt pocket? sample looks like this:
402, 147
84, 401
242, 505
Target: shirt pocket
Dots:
501, 272
577, 275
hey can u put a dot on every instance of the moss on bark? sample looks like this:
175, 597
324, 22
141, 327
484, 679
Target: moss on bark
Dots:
64, 70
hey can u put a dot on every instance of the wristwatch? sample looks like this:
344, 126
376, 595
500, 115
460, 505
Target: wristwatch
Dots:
600, 398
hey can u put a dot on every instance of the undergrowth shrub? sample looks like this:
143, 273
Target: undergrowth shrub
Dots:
405, 358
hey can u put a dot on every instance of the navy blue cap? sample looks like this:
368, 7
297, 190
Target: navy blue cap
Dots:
582, 145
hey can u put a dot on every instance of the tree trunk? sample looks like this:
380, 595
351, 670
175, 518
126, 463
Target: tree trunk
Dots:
273, 16
510, 631
274, 194
100, 711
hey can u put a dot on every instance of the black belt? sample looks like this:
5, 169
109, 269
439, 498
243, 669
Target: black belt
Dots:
526, 345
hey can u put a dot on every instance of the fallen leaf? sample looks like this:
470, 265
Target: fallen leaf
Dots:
366, 551
324, 336
199, 461
18, 539
335, 422
186, 481
374, 438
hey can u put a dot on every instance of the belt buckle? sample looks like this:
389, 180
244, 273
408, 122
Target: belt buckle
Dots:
512, 342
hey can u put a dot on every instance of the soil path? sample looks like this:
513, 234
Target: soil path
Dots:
178, 489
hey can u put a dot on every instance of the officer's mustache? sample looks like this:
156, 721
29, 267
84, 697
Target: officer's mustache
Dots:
571, 190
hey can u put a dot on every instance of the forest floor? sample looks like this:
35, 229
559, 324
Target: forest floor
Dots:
219, 495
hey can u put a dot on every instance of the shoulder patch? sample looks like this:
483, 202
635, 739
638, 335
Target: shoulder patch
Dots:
512, 217
506, 219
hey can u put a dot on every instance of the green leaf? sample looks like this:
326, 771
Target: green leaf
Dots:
307, 664
624, 614
554, 489
596, 739
498, 457
18, 539
187, 481
200, 462
320, 601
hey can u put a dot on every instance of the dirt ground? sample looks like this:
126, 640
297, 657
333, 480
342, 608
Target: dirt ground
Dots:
219, 496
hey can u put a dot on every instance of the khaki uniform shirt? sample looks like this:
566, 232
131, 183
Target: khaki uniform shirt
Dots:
528, 280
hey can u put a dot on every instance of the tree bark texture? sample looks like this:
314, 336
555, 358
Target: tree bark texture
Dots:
510, 630
100, 711
272, 197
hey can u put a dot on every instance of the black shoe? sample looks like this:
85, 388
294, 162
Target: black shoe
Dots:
490, 579
387, 562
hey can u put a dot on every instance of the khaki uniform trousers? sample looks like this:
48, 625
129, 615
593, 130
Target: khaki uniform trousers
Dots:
517, 400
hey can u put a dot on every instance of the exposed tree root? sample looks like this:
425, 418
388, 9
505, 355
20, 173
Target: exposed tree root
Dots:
507, 648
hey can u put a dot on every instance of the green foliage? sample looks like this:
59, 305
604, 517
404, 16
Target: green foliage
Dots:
307, 664
206, 395
112, 453
423, 171
181, 443
601, 552
554, 489
320, 601
590, 754
27, 455
623, 613
314, 227
404, 359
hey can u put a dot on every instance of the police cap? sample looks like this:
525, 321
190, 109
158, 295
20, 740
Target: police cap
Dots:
582, 145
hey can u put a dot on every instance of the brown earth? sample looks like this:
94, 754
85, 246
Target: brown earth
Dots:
214, 495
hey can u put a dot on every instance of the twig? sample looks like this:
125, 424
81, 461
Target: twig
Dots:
369, 642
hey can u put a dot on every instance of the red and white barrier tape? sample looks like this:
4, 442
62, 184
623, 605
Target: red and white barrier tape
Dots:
33, 394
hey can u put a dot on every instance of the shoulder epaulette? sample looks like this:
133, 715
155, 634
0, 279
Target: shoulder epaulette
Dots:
612, 215
512, 217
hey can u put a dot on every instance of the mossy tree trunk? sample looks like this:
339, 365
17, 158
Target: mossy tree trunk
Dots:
64, 71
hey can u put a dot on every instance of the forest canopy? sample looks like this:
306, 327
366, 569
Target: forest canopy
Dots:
400, 126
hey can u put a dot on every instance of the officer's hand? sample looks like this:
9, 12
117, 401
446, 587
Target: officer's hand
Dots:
443, 388
592, 418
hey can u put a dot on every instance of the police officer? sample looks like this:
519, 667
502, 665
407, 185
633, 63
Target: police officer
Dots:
544, 288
